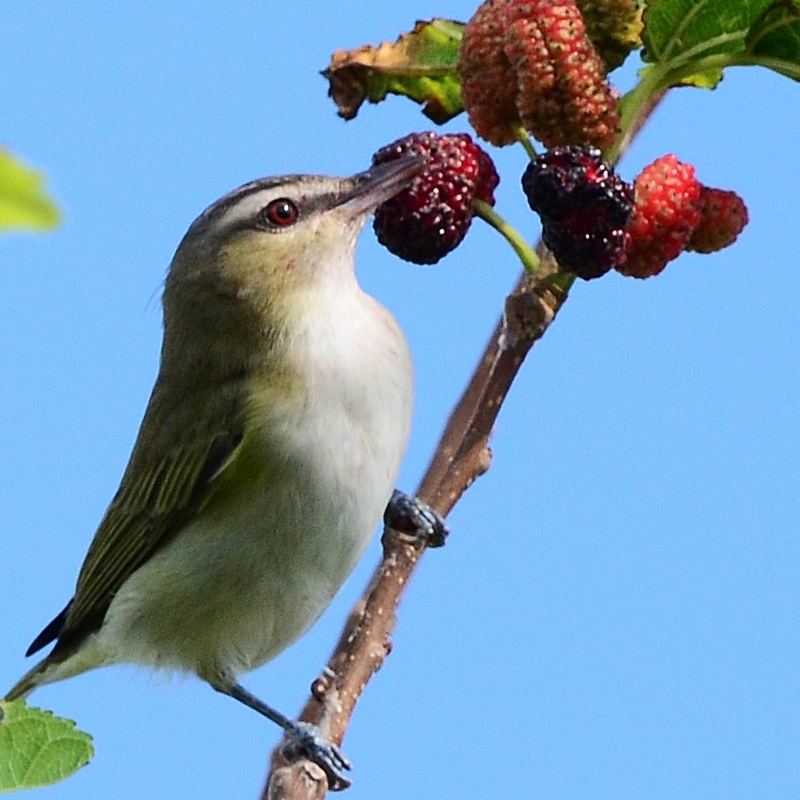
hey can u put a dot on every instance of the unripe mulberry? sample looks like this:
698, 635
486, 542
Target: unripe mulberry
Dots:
530, 63
666, 212
722, 216
563, 95
488, 83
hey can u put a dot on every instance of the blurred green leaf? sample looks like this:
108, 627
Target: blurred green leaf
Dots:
24, 203
37, 748
420, 65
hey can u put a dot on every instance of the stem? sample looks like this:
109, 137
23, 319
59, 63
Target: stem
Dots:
525, 141
526, 254
638, 104
635, 109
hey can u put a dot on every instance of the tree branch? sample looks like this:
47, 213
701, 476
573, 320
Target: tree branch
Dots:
461, 457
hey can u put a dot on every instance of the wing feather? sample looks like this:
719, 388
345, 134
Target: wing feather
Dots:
171, 475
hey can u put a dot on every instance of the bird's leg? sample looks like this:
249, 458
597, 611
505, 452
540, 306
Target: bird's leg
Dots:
305, 739
410, 515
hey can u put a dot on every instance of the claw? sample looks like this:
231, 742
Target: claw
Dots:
411, 516
306, 740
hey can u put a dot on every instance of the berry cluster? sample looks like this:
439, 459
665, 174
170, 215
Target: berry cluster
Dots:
531, 63
675, 212
592, 221
428, 219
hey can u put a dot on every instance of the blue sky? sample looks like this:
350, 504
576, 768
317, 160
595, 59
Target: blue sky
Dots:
617, 612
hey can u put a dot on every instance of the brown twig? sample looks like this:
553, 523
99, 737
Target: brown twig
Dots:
461, 457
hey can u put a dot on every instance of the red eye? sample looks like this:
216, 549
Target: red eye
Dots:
282, 212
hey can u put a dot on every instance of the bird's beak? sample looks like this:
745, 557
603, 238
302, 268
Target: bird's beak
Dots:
378, 184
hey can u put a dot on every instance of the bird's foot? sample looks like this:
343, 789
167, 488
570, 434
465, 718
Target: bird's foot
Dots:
409, 515
306, 740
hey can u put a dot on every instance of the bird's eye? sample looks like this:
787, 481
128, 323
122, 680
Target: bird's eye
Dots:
281, 212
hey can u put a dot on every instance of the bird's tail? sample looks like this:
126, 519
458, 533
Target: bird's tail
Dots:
29, 681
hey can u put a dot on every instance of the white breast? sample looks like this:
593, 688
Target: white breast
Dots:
241, 583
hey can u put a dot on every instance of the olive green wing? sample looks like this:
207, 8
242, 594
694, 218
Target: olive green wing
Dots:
173, 470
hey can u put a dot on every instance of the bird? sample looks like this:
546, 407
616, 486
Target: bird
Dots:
268, 451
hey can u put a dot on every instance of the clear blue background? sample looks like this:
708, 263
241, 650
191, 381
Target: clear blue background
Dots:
617, 612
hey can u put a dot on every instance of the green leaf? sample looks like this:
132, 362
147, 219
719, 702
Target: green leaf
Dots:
420, 65
24, 203
774, 39
692, 41
676, 29
37, 748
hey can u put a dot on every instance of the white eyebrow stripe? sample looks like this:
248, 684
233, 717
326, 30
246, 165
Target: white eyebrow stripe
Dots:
247, 207
241, 205
219, 210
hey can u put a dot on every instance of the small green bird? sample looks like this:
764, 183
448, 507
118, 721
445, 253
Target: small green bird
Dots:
267, 454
